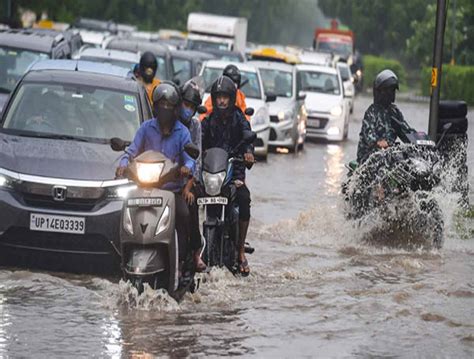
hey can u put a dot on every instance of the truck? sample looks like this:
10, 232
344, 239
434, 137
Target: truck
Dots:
215, 32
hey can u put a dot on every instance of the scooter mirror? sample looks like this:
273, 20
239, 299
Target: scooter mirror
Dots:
201, 109
192, 150
117, 144
249, 111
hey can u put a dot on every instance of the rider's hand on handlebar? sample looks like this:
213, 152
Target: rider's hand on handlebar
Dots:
382, 144
119, 172
249, 158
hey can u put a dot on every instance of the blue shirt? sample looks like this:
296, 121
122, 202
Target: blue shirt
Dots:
149, 137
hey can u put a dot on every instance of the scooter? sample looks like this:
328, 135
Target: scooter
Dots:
148, 237
219, 213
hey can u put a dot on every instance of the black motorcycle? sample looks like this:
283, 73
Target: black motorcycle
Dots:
397, 184
219, 213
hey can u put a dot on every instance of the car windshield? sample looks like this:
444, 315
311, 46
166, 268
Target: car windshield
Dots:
182, 70
75, 111
339, 48
161, 71
206, 45
124, 64
277, 82
14, 63
322, 82
250, 85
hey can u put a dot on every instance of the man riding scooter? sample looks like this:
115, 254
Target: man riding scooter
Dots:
225, 128
164, 133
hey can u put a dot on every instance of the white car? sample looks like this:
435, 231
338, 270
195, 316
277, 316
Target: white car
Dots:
287, 113
252, 87
328, 110
124, 59
348, 83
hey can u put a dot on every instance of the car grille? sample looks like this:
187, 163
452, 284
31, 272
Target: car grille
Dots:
274, 119
69, 204
322, 122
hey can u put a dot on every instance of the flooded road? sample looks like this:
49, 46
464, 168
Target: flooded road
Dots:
316, 289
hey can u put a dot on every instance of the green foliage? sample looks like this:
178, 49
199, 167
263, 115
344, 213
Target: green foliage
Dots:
456, 83
373, 65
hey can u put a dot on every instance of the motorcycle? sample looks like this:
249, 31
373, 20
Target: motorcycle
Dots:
397, 183
148, 238
219, 213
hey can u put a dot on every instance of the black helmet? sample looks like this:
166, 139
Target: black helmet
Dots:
385, 79
147, 61
233, 72
191, 93
166, 115
223, 85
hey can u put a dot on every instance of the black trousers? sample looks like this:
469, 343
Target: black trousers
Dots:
243, 199
182, 219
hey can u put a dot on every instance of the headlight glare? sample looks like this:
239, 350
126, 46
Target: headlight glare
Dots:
121, 192
148, 173
213, 182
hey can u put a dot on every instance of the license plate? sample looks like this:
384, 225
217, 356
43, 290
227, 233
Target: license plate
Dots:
425, 142
314, 123
211, 200
61, 224
145, 202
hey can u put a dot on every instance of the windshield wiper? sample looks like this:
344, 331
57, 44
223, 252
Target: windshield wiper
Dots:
55, 137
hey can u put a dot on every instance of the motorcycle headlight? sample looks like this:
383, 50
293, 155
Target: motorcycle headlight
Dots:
336, 111
164, 222
213, 182
259, 118
121, 192
148, 173
420, 167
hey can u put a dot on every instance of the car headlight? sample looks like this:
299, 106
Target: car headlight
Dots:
213, 182
333, 131
336, 111
259, 119
121, 192
359, 73
164, 222
148, 173
6, 181
285, 115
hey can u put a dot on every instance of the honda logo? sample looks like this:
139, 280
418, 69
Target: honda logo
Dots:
59, 193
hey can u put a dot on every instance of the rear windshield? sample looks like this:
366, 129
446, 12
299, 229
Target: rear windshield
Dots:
250, 85
124, 64
277, 82
73, 110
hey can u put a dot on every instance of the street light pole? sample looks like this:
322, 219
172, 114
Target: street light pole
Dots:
437, 65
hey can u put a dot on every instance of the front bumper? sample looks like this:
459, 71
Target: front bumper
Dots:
263, 135
282, 134
94, 251
323, 125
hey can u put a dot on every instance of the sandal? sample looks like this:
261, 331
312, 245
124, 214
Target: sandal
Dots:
244, 268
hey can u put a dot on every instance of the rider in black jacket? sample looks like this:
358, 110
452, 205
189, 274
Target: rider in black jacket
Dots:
224, 128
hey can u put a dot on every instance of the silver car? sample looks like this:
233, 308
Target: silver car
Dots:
288, 113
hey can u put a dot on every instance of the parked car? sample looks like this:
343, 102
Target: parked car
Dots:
59, 199
348, 83
287, 113
252, 87
19, 49
72, 36
328, 110
163, 56
187, 64
124, 59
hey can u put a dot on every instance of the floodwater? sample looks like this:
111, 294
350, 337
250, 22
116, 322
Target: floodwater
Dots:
316, 288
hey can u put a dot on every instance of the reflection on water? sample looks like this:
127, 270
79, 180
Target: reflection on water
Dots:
334, 168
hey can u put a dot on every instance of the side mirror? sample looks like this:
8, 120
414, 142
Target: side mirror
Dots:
201, 109
270, 97
301, 96
118, 145
192, 150
249, 137
249, 111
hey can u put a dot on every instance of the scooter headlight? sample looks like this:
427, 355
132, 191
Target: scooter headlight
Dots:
213, 182
148, 173
127, 221
164, 222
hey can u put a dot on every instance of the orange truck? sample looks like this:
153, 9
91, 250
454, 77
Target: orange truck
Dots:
335, 41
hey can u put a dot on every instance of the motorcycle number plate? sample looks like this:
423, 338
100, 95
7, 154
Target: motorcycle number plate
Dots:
145, 202
211, 200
